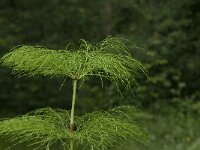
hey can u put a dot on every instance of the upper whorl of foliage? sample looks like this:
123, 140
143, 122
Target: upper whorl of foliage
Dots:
97, 130
109, 58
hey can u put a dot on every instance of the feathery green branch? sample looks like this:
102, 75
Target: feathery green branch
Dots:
109, 59
98, 130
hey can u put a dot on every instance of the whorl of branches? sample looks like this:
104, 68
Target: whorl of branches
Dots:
108, 59
98, 130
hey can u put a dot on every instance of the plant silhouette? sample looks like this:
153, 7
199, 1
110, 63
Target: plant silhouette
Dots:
108, 59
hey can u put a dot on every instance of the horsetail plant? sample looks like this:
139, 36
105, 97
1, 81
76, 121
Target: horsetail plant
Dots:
99, 130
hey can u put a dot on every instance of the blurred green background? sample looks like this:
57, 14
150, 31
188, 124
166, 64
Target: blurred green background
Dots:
167, 33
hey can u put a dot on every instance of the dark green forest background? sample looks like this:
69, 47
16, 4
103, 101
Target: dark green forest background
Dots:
166, 33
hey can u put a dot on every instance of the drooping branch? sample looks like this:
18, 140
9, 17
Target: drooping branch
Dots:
100, 130
109, 59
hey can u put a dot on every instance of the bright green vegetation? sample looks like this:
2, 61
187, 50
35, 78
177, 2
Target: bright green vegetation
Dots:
98, 130
168, 32
168, 130
108, 59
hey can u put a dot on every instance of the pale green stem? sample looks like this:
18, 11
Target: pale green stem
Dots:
71, 145
72, 111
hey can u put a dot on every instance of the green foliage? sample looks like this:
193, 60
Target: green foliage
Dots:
109, 59
100, 130
168, 31
173, 47
97, 130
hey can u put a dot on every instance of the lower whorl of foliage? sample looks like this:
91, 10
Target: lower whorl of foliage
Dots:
97, 130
